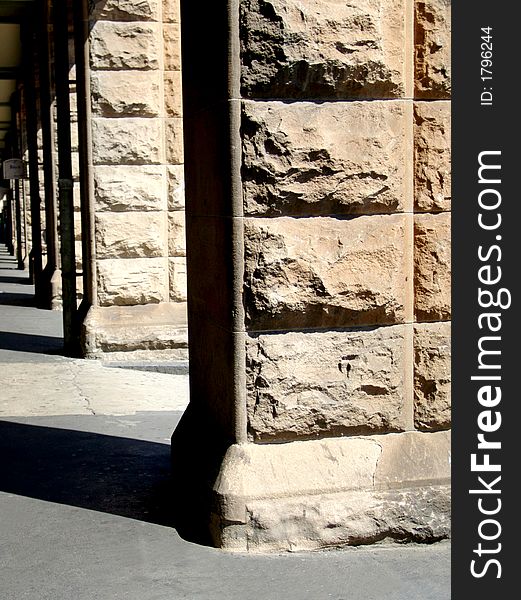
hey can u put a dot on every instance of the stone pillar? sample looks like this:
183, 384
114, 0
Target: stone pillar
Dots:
51, 274
31, 116
432, 205
304, 149
136, 136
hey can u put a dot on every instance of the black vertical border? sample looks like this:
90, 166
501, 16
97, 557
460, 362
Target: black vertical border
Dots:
477, 128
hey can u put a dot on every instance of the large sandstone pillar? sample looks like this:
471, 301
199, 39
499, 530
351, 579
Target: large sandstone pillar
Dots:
317, 296
139, 307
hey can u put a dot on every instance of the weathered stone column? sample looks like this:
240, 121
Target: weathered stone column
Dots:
301, 179
136, 137
51, 273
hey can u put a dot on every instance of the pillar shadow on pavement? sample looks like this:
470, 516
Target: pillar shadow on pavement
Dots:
116, 475
23, 342
14, 299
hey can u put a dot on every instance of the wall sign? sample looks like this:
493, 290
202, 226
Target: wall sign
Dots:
13, 168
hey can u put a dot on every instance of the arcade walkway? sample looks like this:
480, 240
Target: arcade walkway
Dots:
85, 490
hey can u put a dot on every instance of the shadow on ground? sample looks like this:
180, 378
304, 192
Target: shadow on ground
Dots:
13, 299
23, 342
116, 475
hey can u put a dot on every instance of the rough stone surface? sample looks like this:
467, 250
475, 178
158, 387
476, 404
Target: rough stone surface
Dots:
176, 234
432, 154
301, 48
130, 235
128, 45
171, 11
177, 271
127, 330
324, 272
419, 514
432, 267
173, 94
343, 491
433, 48
125, 93
130, 141
125, 10
432, 376
333, 383
127, 188
174, 141
335, 158
176, 187
130, 281
172, 47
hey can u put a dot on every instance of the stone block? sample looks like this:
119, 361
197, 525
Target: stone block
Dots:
125, 10
323, 493
129, 141
432, 156
126, 93
136, 333
132, 281
173, 94
432, 48
176, 233
131, 234
176, 187
324, 272
333, 158
177, 270
171, 11
432, 376
132, 45
302, 49
172, 47
432, 267
174, 141
302, 385
128, 188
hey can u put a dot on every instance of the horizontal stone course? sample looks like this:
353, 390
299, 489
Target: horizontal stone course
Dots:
432, 156
335, 158
125, 10
128, 188
126, 93
432, 376
302, 385
132, 281
172, 47
303, 49
324, 272
344, 491
130, 141
176, 234
173, 94
174, 141
131, 234
177, 273
432, 48
176, 187
132, 45
432, 267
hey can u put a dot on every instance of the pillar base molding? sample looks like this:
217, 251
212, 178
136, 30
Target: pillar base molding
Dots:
145, 332
333, 492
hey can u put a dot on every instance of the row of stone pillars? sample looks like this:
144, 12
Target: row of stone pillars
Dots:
318, 198
98, 122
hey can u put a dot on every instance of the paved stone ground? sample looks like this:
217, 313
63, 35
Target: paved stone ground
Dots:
84, 490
